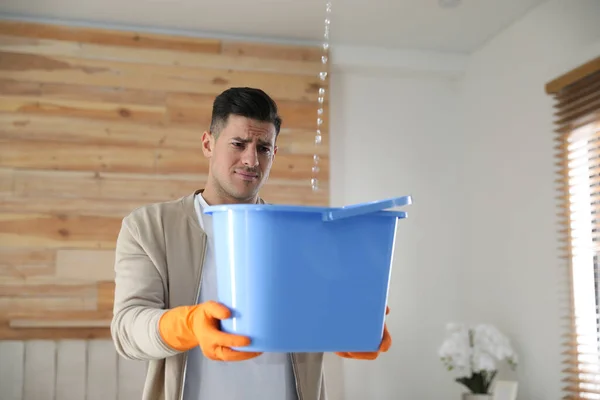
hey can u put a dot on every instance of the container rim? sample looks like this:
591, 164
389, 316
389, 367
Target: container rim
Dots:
289, 208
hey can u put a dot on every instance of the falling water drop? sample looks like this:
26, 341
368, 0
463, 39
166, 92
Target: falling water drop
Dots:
314, 182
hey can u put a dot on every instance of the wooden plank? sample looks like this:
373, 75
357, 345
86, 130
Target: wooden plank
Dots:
6, 181
302, 142
89, 265
302, 114
131, 189
106, 295
56, 231
190, 109
47, 294
51, 287
12, 364
40, 370
78, 184
298, 194
273, 51
128, 39
46, 303
95, 132
105, 94
196, 109
71, 369
45, 105
25, 263
7, 333
59, 315
36, 68
57, 324
79, 206
148, 188
16, 153
102, 371
168, 57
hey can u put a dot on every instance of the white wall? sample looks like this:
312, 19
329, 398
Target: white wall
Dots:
511, 242
395, 133
480, 242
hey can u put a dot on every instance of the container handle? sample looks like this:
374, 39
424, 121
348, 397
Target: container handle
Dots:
365, 208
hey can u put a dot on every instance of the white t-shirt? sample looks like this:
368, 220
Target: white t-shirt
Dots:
266, 377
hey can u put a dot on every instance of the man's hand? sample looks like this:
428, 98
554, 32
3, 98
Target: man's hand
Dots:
386, 343
186, 327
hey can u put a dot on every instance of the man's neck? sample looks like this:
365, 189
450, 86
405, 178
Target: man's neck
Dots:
216, 197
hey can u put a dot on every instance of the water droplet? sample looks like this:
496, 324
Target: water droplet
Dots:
320, 111
315, 169
321, 91
320, 99
328, 7
324, 59
325, 46
327, 21
316, 159
319, 122
318, 139
318, 131
322, 75
326, 34
314, 183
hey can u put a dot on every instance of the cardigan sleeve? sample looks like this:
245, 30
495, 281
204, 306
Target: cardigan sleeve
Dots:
139, 299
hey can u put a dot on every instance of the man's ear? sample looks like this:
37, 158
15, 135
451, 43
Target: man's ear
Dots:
208, 143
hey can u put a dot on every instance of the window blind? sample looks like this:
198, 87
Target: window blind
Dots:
577, 120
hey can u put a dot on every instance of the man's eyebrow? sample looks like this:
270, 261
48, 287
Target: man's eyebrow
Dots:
260, 141
264, 143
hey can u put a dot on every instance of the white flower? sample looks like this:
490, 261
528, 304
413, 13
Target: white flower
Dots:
473, 349
483, 362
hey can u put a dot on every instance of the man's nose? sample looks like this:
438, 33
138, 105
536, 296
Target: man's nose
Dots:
250, 158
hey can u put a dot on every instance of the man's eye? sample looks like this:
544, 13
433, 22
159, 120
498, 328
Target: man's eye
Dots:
237, 144
265, 149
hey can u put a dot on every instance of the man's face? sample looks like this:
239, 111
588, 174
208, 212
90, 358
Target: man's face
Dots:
241, 158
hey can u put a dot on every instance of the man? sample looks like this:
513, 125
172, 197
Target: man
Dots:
164, 306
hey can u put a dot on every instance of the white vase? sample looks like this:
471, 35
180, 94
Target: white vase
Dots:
473, 396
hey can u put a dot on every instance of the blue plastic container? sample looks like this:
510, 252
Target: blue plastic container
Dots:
305, 279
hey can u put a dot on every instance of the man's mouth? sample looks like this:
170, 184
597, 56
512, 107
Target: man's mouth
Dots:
249, 176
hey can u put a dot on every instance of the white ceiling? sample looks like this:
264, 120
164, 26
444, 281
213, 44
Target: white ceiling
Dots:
407, 24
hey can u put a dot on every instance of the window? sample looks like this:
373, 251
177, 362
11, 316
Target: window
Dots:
577, 103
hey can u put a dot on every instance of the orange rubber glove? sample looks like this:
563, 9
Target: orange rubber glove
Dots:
386, 343
186, 327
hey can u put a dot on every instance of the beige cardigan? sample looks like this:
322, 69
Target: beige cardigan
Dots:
159, 255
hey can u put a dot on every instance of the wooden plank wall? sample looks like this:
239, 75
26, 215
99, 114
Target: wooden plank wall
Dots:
94, 123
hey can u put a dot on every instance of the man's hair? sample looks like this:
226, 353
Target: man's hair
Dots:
246, 102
